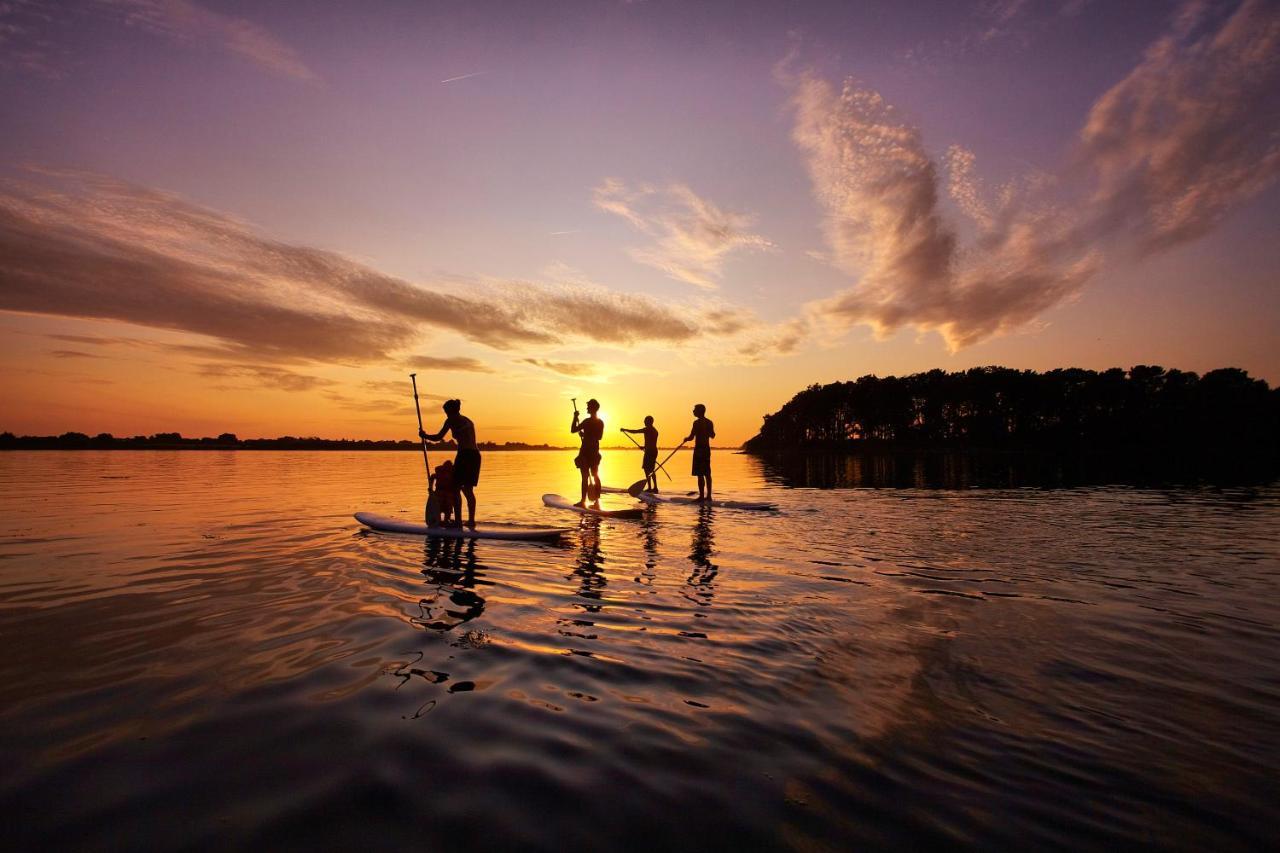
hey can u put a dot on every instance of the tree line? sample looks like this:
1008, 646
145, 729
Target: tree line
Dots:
997, 408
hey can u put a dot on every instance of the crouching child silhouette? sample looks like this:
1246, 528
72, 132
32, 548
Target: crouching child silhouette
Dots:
445, 490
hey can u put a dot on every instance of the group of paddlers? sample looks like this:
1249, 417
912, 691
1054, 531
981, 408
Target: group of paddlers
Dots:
455, 480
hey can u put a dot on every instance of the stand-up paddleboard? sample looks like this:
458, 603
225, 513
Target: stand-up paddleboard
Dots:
558, 502
655, 499
613, 490
509, 532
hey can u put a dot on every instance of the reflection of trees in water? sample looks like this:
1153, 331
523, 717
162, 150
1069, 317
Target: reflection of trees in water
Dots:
990, 469
451, 565
700, 587
588, 569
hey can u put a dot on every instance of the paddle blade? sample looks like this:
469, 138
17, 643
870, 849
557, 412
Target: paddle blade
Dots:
636, 488
593, 490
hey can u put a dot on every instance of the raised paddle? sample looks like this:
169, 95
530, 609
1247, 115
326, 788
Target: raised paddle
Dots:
637, 444
413, 377
638, 486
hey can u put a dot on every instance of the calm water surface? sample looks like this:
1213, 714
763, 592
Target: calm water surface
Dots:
202, 650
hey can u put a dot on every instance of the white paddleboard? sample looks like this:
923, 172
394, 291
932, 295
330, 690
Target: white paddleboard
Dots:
509, 532
655, 499
558, 502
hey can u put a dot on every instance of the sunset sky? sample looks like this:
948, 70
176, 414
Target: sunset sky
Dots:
259, 217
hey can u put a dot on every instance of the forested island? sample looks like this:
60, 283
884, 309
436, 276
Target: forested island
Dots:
1144, 409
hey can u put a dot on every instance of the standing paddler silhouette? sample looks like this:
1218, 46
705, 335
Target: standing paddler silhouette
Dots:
590, 430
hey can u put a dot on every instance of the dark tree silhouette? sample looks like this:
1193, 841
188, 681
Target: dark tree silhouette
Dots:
995, 408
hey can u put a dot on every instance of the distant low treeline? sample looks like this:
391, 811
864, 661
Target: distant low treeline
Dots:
1144, 409
226, 441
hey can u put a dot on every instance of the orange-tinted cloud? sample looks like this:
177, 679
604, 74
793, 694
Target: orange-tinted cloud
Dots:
88, 246
1166, 153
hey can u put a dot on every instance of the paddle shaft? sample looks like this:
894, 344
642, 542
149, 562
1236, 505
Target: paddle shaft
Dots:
417, 408
637, 444
638, 485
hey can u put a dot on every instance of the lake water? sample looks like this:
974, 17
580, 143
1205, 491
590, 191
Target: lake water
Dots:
203, 650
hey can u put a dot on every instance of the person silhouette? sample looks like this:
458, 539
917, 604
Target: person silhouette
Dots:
590, 430
701, 433
650, 461
466, 463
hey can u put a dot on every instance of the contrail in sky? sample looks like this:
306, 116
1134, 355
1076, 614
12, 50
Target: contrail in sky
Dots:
464, 76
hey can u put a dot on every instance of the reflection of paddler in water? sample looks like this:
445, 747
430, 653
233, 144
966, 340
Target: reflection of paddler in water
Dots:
466, 464
591, 579
701, 433
451, 564
649, 464
590, 430
701, 551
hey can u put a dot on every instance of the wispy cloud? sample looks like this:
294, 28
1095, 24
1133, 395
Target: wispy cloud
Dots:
1193, 130
83, 245
594, 371
188, 22
1165, 154
268, 376
26, 43
692, 237
462, 363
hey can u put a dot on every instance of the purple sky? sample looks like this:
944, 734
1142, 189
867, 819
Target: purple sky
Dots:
654, 201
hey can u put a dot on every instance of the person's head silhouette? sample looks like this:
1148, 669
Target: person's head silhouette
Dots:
593, 406
452, 407
699, 410
648, 420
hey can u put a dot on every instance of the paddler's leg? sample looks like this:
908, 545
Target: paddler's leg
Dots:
708, 483
595, 475
471, 506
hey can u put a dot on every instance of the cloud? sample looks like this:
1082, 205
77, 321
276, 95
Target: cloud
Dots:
692, 237
1192, 132
81, 245
464, 363
25, 44
71, 353
594, 371
398, 387
382, 405
187, 22
564, 368
267, 376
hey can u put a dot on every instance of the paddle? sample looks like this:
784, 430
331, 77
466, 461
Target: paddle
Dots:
431, 513
413, 377
638, 486
637, 444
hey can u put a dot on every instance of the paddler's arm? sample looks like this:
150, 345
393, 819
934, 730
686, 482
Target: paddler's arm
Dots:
435, 436
574, 426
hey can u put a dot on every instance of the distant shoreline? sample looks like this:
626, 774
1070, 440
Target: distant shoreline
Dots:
80, 441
